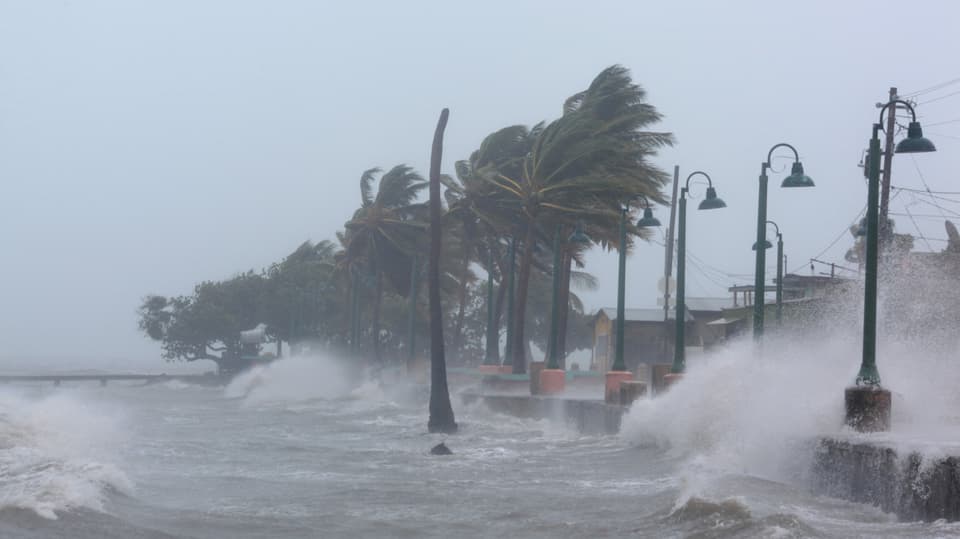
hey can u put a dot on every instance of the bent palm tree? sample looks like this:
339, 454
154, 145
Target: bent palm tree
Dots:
582, 166
384, 232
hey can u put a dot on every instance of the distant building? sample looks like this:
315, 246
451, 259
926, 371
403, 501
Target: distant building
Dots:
810, 303
648, 338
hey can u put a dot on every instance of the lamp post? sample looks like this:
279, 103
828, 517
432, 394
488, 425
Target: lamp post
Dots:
553, 378
767, 245
711, 202
867, 403
797, 178
618, 371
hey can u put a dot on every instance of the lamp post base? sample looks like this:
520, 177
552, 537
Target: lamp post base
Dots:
868, 408
535, 368
670, 379
612, 387
552, 381
631, 390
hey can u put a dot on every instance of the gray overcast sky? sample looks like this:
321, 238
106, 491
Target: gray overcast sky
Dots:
145, 146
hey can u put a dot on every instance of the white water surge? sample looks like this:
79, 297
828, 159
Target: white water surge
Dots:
57, 453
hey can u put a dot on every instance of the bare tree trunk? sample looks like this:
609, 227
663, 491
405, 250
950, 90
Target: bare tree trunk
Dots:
564, 302
520, 309
441, 412
377, 301
462, 307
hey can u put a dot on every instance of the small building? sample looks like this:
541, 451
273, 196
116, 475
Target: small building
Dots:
811, 303
649, 337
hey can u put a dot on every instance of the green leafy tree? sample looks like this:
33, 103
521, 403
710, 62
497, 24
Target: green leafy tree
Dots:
206, 324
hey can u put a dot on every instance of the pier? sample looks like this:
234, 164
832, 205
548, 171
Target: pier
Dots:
147, 379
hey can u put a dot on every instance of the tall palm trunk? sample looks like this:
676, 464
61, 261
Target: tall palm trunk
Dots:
377, 302
564, 302
520, 309
462, 304
441, 412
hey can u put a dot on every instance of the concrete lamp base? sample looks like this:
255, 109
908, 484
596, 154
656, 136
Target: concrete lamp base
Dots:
631, 390
552, 381
534, 368
612, 388
670, 379
868, 408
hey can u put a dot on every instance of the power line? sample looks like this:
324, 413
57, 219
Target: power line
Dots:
846, 230
932, 88
926, 191
953, 121
946, 136
939, 98
939, 207
918, 215
915, 225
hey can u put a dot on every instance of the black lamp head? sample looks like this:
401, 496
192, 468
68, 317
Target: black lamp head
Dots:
712, 202
648, 220
797, 178
915, 141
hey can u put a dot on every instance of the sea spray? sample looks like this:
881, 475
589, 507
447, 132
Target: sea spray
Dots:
294, 379
57, 453
735, 412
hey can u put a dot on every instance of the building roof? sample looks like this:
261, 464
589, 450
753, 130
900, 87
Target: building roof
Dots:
708, 304
640, 315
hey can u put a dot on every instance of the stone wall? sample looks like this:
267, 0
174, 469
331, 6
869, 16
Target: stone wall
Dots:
587, 416
905, 484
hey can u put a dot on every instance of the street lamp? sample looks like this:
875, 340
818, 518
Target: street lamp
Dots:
797, 178
618, 371
711, 202
767, 245
552, 377
867, 403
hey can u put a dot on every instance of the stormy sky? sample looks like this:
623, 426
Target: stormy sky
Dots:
145, 146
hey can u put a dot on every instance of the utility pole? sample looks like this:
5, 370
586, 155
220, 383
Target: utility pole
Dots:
885, 232
668, 258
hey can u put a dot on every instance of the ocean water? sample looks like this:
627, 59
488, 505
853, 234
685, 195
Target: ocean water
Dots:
299, 449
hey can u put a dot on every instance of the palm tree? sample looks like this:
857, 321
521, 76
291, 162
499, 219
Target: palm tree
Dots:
477, 236
441, 412
384, 232
582, 166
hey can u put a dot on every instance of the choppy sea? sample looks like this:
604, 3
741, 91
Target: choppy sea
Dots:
293, 450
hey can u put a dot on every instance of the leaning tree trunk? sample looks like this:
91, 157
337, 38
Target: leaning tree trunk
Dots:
377, 302
441, 412
520, 309
462, 307
564, 303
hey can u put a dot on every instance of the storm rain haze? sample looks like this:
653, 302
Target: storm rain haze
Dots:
156, 152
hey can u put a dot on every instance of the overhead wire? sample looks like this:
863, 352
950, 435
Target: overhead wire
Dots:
933, 88
935, 99
934, 124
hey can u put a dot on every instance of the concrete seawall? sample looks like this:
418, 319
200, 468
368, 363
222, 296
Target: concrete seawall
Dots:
907, 484
585, 415
904, 483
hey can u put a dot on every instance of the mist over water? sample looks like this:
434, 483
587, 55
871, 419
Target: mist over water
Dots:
312, 446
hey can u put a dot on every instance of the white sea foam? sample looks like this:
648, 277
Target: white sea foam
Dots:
57, 453
760, 414
295, 379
